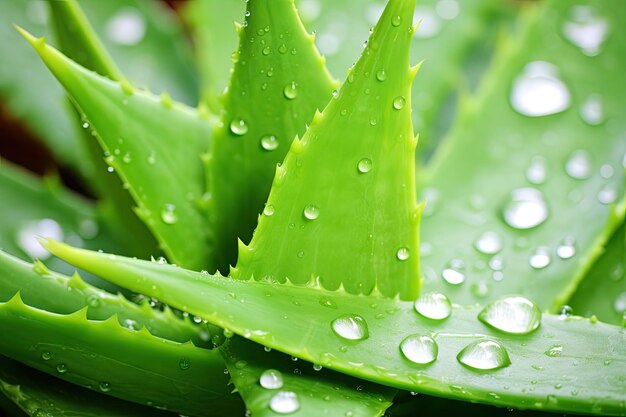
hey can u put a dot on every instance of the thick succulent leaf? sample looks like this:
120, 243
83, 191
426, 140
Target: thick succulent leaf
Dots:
342, 206
144, 134
517, 157
56, 293
554, 368
320, 392
603, 291
279, 80
40, 395
128, 364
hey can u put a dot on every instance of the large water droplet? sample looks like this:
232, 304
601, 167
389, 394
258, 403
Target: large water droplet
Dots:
311, 212
351, 327
578, 165
566, 248
403, 253
399, 102
291, 90
420, 349
168, 214
454, 273
269, 143
586, 30
238, 127
285, 402
541, 258
525, 209
536, 172
489, 243
396, 20
364, 165
516, 315
268, 210
381, 75
271, 379
484, 354
433, 305
538, 91
28, 242
126, 27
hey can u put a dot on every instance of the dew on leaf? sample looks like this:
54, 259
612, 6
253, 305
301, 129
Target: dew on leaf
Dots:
184, 364
311, 212
168, 214
381, 75
267, 50
586, 30
525, 209
619, 305
61, 368
540, 258
105, 387
238, 127
516, 315
554, 351
396, 20
591, 111
607, 194
538, 91
271, 379
566, 311
268, 210
483, 355
269, 143
403, 253
606, 171
433, 305
399, 102
567, 248
578, 165
291, 90
364, 165
285, 402
536, 172
351, 327
46, 356
454, 272
419, 349
488, 243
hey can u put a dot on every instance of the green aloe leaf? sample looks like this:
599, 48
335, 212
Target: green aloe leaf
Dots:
142, 133
349, 217
125, 363
261, 375
603, 291
553, 368
278, 82
39, 395
519, 199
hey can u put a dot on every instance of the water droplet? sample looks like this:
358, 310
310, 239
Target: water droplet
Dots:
566, 311
184, 364
607, 194
586, 30
538, 91
536, 172
403, 254
269, 143
620, 303
61, 368
447, 9
285, 402
126, 27
28, 242
396, 20
516, 315
93, 301
291, 90
267, 50
238, 127
484, 355
46, 356
578, 165
364, 165
433, 305
327, 302
351, 327
399, 102
268, 210
271, 379
311, 212
489, 243
541, 258
606, 171
381, 75
105, 387
567, 248
591, 110
525, 209
419, 349
554, 351
168, 214
317, 368
454, 273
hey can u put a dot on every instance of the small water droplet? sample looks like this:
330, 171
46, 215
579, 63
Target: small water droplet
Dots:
126, 27
489, 243
484, 354
403, 253
554, 351
311, 212
93, 301
525, 209
454, 273
591, 110
184, 364
105, 387
271, 379
606, 171
46, 356
268, 210
540, 258
433, 305
168, 214
291, 90
317, 368
538, 91
364, 165
238, 127
399, 102
447, 9
381, 75
536, 172
566, 248
566, 311
420, 349
578, 165
586, 30
285, 402
619, 305
327, 302
351, 327
515, 314
61, 368
607, 194
396, 20
269, 143
335, 93
267, 50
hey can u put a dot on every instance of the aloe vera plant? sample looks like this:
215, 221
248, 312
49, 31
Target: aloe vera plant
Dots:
309, 257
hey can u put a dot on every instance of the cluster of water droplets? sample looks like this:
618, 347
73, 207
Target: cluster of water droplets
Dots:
283, 402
